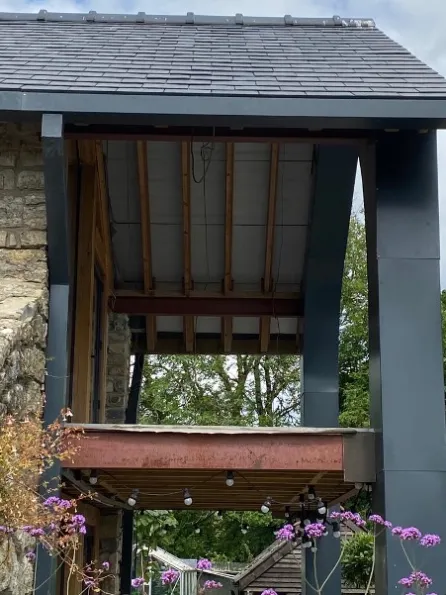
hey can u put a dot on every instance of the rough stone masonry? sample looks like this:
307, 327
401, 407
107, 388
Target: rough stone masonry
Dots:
23, 302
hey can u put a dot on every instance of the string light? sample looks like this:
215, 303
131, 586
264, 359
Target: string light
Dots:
321, 508
311, 493
287, 512
230, 479
266, 506
93, 479
131, 501
336, 530
313, 547
359, 485
187, 497
306, 542
244, 529
198, 530
219, 515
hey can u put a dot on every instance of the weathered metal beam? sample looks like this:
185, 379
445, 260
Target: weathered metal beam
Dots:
56, 379
212, 452
200, 306
226, 321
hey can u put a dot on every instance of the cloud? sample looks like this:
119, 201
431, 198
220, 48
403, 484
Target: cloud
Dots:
418, 25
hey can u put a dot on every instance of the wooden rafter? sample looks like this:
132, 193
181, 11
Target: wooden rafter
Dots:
188, 321
265, 321
229, 206
144, 200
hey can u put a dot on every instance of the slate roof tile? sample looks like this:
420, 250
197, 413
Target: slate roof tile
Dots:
214, 55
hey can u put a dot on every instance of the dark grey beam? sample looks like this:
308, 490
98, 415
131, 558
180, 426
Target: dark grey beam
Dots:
335, 171
56, 380
406, 365
191, 110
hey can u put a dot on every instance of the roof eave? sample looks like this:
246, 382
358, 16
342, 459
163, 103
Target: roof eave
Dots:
235, 111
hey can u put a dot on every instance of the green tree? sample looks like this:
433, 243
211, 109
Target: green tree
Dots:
353, 339
248, 390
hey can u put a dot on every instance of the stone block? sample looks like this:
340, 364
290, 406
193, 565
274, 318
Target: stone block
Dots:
31, 156
7, 179
11, 211
34, 217
29, 180
8, 158
32, 239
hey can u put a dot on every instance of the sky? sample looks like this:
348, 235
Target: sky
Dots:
417, 24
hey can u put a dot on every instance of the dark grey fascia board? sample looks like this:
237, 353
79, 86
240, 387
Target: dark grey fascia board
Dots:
320, 113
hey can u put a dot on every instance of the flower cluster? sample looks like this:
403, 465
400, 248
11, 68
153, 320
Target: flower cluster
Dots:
269, 592
416, 578
138, 582
315, 530
286, 533
169, 576
353, 517
208, 585
204, 564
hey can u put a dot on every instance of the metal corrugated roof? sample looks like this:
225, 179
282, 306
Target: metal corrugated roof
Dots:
191, 55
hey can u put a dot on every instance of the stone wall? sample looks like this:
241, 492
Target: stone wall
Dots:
110, 543
118, 368
23, 301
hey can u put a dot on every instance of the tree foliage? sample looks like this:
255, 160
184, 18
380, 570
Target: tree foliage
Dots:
248, 390
357, 560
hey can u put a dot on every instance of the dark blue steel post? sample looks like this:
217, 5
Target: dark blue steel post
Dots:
406, 366
59, 285
333, 195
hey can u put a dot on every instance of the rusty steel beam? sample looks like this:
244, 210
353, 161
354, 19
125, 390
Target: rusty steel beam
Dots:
208, 452
202, 306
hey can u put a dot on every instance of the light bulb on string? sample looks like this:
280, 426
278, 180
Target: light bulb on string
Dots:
187, 497
314, 548
287, 512
306, 542
325, 532
230, 479
93, 479
336, 530
219, 515
307, 522
131, 501
321, 508
244, 529
359, 485
311, 493
198, 530
266, 506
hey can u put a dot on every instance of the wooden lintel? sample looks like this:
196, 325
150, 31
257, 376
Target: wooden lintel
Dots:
188, 322
146, 242
229, 207
265, 321
83, 323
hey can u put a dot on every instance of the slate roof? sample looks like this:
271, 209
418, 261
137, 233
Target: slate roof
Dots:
281, 57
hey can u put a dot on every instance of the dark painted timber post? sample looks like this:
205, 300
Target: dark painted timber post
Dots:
332, 201
56, 382
127, 515
406, 364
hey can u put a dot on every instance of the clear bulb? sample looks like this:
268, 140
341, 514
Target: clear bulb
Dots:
197, 530
306, 544
322, 509
188, 501
307, 522
131, 501
314, 549
230, 482
358, 485
93, 480
311, 496
244, 531
336, 534
264, 508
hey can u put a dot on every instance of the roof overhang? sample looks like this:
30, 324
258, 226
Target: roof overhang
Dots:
197, 110
275, 463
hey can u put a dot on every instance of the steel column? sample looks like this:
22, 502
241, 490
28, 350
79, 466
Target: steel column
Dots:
406, 366
333, 194
56, 380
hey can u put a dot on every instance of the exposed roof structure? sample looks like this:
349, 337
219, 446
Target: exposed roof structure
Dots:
194, 55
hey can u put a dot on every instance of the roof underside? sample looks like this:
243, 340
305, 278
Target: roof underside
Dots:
208, 55
226, 222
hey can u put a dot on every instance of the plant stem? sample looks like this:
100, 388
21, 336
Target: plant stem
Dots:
372, 570
333, 569
407, 557
316, 580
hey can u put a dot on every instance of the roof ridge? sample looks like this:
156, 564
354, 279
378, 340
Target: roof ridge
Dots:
189, 19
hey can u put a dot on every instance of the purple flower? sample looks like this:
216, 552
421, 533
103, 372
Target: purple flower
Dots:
354, 517
89, 582
269, 592
204, 564
36, 532
286, 533
6, 530
397, 531
106, 565
417, 578
169, 576
30, 555
212, 585
315, 530
378, 520
55, 502
430, 540
137, 582
410, 534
